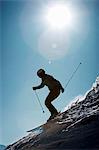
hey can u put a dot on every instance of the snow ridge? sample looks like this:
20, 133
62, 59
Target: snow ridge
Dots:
83, 106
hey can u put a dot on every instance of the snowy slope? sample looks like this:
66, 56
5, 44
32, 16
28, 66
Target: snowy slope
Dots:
77, 127
84, 106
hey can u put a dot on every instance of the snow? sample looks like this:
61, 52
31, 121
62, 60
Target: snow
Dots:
80, 97
82, 106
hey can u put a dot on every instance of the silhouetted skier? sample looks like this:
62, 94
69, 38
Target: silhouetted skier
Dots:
55, 88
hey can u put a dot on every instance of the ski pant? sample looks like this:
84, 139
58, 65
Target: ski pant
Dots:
52, 96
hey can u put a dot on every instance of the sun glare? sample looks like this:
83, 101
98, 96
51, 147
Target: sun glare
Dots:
59, 16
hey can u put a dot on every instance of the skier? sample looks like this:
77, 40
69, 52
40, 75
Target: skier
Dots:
54, 87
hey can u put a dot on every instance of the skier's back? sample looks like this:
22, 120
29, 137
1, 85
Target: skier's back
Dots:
54, 86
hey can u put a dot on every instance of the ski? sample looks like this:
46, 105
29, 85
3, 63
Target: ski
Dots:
35, 129
45, 124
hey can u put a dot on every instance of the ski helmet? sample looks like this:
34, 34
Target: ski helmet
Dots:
40, 72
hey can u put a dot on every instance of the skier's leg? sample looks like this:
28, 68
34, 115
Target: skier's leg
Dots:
52, 96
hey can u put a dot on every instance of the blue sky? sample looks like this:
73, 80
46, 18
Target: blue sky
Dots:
25, 47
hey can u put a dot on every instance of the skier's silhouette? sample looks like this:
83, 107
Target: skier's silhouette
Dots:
54, 86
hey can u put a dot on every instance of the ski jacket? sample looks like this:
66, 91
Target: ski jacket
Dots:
50, 82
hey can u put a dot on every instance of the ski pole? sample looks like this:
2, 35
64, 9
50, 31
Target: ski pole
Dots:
72, 75
39, 101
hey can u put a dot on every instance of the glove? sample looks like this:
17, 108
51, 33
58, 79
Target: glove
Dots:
62, 90
34, 88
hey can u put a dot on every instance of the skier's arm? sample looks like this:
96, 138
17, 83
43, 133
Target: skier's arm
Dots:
61, 87
39, 86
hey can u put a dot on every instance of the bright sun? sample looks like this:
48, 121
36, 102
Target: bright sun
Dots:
59, 16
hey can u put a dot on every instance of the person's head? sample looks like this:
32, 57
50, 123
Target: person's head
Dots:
40, 73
